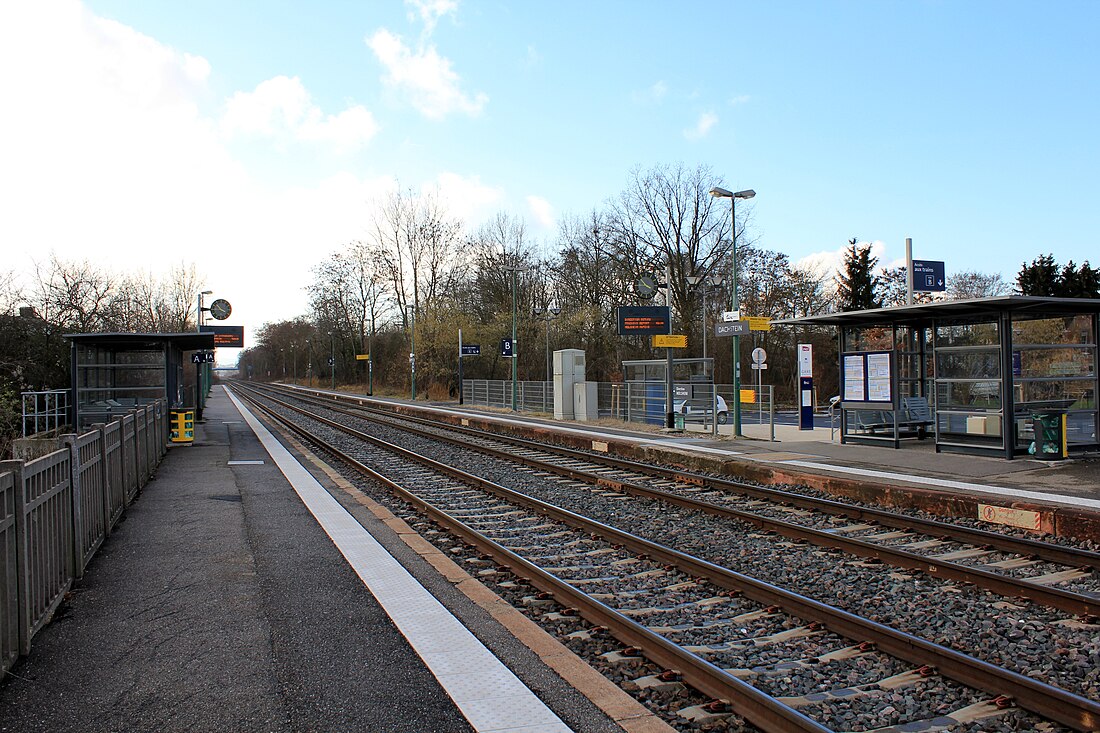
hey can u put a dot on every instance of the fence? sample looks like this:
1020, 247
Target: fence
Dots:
57, 510
45, 411
635, 402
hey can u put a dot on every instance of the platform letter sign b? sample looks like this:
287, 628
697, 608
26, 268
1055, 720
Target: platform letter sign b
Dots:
506, 347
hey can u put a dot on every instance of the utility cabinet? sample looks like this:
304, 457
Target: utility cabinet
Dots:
568, 370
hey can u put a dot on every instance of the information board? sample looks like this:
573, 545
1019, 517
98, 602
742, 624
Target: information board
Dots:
928, 276
644, 320
868, 377
673, 341
232, 336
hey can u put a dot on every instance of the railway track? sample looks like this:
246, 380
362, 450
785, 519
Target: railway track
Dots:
1013, 567
812, 666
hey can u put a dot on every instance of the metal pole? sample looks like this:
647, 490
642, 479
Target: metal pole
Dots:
735, 367
294, 362
705, 286
370, 359
460, 366
670, 419
412, 347
908, 271
515, 355
309, 364
332, 357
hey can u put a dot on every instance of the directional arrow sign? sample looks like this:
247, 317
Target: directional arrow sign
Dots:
733, 328
928, 276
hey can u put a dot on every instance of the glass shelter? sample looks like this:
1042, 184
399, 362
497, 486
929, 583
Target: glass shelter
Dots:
978, 376
115, 372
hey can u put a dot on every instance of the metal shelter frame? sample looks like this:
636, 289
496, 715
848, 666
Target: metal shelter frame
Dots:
982, 367
114, 372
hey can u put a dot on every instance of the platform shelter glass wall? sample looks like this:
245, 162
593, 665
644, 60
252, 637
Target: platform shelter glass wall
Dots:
871, 422
109, 381
969, 409
1054, 367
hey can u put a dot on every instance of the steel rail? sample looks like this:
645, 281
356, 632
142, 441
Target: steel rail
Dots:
755, 706
1004, 585
1048, 701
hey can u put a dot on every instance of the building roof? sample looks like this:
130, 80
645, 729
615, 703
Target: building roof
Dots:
189, 341
922, 314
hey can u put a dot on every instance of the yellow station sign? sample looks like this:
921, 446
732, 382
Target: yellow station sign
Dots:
670, 341
362, 357
759, 324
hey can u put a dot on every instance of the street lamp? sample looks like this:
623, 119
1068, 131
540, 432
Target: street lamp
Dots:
708, 283
200, 372
515, 270
410, 311
736, 366
282, 353
294, 362
548, 314
370, 358
309, 364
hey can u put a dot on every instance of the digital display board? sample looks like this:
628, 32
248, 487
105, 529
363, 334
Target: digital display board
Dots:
644, 320
232, 336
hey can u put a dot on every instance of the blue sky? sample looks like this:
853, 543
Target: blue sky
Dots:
226, 133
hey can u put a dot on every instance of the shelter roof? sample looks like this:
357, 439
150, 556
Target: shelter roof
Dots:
188, 341
922, 314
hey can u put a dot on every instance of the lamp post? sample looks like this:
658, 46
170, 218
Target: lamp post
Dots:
309, 364
282, 354
332, 358
736, 366
547, 314
515, 270
708, 283
200, 392
370, 358
410, 311
294, 362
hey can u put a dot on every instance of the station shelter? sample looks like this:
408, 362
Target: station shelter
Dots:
979, 376
645, 382
115, 372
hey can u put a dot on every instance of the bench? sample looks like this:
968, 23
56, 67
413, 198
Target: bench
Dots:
917, 415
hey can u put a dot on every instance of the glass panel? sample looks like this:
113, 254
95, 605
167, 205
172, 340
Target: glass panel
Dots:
1068, 361
1042, 331
984, 395
968, 364
1074, 395
967, 334
868, 339
975, 428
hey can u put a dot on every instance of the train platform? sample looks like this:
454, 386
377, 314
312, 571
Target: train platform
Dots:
249, 590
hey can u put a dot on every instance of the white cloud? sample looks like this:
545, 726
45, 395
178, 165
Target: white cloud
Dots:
282, 108
827, 264
652, 95
430, 11
703, 126
424, 77
542, 211
467, 197
739, 99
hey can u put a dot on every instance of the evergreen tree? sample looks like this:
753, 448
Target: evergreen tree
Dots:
857, 285
1044, 277
1038, 278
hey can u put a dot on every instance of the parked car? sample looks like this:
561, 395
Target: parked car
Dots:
699, 410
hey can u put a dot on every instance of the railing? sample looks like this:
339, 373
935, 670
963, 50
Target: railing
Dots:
57, 510
530, 396
45, 411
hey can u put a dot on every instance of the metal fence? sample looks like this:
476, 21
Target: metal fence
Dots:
45, 411
57, 510
634, 402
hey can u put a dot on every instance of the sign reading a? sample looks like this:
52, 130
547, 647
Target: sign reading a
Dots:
202, 357
471, 350
670, 341
643, 320
232, 336
928, 276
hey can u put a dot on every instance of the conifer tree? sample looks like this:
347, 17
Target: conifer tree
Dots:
857, 285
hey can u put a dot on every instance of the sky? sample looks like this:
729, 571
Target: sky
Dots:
251, 137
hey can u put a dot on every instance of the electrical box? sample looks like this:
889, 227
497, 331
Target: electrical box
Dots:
568, 370
585, 401
181, 426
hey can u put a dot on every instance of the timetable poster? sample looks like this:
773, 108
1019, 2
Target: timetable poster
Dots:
854, 370
878, 377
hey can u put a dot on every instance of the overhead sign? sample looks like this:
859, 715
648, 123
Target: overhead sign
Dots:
232, 336
506, 349
470, 350
928, 276
736, 328
202, 357
643, 320
759, 324
670, 342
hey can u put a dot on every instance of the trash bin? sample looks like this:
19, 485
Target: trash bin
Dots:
678, 420
1049, 429
181, 424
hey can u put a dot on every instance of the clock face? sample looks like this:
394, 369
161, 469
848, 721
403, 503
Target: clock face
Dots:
220, 309
646, 286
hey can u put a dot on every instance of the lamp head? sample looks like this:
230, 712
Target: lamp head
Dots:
555, 309
746, 194
719, 192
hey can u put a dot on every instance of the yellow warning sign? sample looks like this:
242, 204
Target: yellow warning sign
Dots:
670, 341
362, 357
759, 324
748, 396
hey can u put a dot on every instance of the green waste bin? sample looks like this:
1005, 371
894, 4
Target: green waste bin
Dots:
678, 420
1049, 428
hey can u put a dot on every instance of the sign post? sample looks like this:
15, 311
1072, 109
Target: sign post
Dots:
805, 386
464, 350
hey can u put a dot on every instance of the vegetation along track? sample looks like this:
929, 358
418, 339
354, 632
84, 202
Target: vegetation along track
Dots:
712, 624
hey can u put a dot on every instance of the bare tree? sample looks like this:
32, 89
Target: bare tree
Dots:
73, 295
974, 284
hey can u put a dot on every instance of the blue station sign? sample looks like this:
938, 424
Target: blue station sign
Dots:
928, 276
